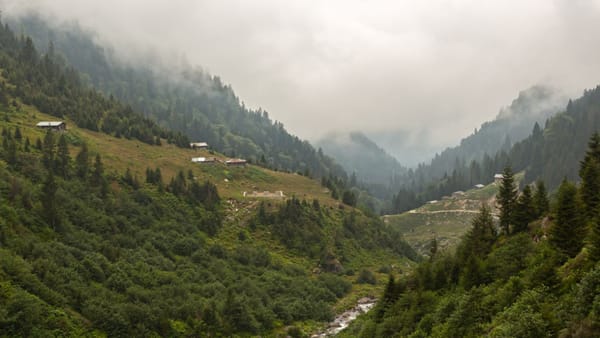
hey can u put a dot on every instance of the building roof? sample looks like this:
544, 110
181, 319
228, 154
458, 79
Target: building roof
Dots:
479, 186
235, 161
498, 176
49, 123
202, 159
199, 144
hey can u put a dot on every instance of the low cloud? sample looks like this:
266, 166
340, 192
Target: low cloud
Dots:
436, 67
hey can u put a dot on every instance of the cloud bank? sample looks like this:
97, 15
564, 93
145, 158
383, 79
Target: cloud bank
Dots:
434, 68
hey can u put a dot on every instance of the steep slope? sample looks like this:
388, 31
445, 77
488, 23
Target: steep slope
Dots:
184, 99
552, 153
513, 124
112, 235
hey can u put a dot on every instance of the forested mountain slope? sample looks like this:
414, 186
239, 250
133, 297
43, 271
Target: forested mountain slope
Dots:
535, 274
549, 153
513, 124
105, 231
554, 152
182, 98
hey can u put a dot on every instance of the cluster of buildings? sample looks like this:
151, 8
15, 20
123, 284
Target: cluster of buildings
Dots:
234, 162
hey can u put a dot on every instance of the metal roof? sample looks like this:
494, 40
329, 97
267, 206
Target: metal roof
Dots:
49, 123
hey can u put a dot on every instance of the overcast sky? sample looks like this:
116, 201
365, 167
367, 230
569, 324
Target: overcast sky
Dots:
434, 68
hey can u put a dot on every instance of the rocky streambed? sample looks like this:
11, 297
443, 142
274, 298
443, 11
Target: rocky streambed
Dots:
344, 319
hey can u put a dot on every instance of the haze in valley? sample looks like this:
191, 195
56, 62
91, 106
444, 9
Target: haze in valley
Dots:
412, 75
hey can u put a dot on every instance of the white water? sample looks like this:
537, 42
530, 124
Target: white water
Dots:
343, 320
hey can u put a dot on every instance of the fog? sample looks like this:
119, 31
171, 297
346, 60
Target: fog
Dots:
428, 71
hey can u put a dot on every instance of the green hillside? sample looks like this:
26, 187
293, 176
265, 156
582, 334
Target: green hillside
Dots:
537, 275
446, 220
106, 233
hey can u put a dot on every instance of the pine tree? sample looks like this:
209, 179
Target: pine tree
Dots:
82, 162
63, 158
507, 197
540, 199
48, 150
568, 231
98, 173
50, 212
590, 178
525, 211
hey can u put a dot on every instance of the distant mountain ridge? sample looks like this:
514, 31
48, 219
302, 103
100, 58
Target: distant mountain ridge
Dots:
360, 155
512, 124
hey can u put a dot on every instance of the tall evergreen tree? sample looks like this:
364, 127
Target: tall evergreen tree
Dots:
63, 158
50, 212
48, 150
525, 211
568, 232
507, 197
540, 199
82, 162
590, 177
98, 173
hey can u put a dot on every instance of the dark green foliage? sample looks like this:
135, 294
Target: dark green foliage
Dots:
540, 199
568, 231
135, 261
349, 198
48, 198
510, 287
82, 162
366, 277
525, 210
507, 198
590, 178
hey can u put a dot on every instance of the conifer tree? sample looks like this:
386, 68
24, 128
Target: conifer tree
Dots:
98, 173
48, 150
82, 162
568, 231
50, 212
540, 199
590, 178
525, 211
507, 197
63, 158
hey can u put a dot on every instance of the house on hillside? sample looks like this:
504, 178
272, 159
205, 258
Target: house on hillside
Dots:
52, 125
479, 186
198, 145
204, 159
498, 178
236, 162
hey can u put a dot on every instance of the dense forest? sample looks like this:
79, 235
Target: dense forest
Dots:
87, 250
549, 153
43, 81
184, 99
534, 274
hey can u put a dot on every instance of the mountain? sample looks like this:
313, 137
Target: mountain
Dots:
512, 124
109, 229
553, 152
182, 98
361, 156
